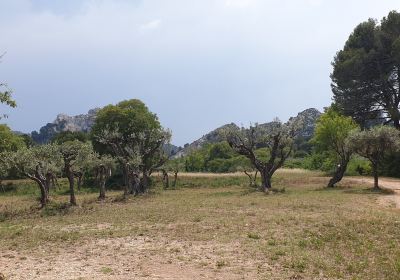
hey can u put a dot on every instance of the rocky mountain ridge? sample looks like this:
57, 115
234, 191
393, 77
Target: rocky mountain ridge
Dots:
63, 122
307, 118
84, 123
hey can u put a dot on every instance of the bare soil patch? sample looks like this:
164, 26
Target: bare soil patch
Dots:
129, 258
391, 184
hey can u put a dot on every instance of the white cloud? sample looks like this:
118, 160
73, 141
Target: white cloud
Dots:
314, 3
154, 24
205, 52
239, 3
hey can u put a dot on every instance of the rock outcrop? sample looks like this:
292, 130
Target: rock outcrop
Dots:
64, 122
308, 119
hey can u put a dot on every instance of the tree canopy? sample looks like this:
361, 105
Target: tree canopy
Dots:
331, 136
38, 163
66, 136
134, 135
9, 141
6, 96
376, 144
277, 141
366, 78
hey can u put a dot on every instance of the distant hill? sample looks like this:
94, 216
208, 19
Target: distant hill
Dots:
64, 122
214, 136
81, 123
84, 123
308, 117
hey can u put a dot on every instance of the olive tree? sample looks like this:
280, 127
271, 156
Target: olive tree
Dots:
174, 166
152, 153
38, 163
135, 137
75, 155
276, 138
5, 96
375, 144
331, 135
3, 172
125, 153
102, 167
249, 170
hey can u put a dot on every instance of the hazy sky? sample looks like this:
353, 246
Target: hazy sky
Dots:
198, 64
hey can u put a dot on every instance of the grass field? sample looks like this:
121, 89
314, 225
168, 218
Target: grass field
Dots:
209, 227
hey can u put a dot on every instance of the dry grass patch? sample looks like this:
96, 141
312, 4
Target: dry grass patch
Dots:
208, 228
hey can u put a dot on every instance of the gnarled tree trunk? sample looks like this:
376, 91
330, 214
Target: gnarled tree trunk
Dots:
175, 178
72, 198
126, 174
70, 177
339, 173
144, 182
265, 180
165, 178
134, 183
44, 197
79, 176
252, 179
101, 177
375, 172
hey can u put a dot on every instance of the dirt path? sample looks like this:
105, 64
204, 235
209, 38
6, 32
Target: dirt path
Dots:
385, 183
129, 258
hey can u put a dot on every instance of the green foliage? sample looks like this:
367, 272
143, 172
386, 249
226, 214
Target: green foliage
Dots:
134, 136
331, 133
129, 118
320, 161
377, 143
28, 140
365, 72
294, 163
217, 158
66, 136
220, 150
358, 166
175, 165
130, 132
8, 140
6, 96
27, 160
391, 165
196, 161
76, 154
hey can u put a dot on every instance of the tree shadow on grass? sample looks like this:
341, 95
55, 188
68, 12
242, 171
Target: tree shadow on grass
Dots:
55, 209
370, 191
346, 189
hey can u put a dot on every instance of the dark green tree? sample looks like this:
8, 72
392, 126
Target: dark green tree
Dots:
66, 136
135, 137
366, 78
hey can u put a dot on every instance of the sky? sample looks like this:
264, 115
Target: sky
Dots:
197, 64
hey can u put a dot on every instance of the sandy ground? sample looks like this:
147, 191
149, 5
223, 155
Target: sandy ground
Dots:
151, 258
241, 174
129, 258
385, 183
